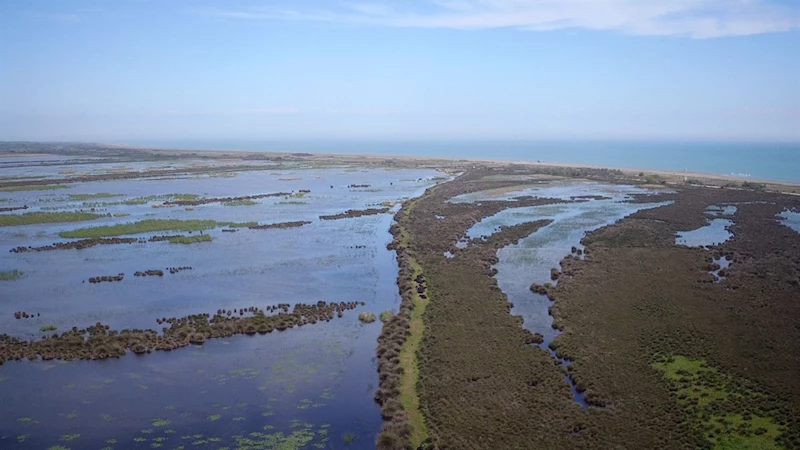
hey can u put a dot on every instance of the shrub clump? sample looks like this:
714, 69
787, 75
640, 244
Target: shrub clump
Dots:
366, 317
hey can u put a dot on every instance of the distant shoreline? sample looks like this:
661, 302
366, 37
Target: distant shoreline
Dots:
669, 176
672, 174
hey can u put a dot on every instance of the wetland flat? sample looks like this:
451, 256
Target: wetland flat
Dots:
298, 302
307, 387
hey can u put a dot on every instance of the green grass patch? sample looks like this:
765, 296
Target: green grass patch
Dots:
711, 398
11, 275
245, 202
190, 239
35, 187
148, 226
11, 220
47, 328
92, 196
408, 360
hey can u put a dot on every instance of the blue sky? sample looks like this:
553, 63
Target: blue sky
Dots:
421, 69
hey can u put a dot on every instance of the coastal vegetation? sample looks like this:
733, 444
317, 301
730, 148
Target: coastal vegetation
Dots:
633, 288
31, 218
100, 341
189, 239
149, 225
33, 187
366, 317
92, 196
355, 213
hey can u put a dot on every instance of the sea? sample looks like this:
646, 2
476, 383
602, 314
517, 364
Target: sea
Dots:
778, 161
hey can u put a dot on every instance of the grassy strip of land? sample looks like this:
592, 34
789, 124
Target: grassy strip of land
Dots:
92, 196
11, 275
150, 225
11, 220
408, 361
189, 239
35, 187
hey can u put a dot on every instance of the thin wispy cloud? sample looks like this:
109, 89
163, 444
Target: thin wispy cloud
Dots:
690, 18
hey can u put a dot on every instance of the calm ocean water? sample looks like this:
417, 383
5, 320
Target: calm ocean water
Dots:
769, 161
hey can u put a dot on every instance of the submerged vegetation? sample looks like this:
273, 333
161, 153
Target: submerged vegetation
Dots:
11, 275
246, 202
92, 196
10, 220
150, 225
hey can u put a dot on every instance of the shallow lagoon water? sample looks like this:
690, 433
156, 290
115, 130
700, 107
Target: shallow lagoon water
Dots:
311, 386
791, 219
530, 260
715, 233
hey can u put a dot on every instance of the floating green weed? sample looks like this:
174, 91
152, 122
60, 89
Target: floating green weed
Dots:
70, 437
159, 422
47, 328
214, 417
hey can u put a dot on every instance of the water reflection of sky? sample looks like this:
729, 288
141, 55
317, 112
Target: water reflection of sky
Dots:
715, 233
791, 219
308, 387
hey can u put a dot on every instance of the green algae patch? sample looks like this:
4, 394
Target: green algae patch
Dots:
714, 402
189, 239
92, 196
11, 275
31, 218
47, 328
37, 187
245, 202
147, 226
159, 422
